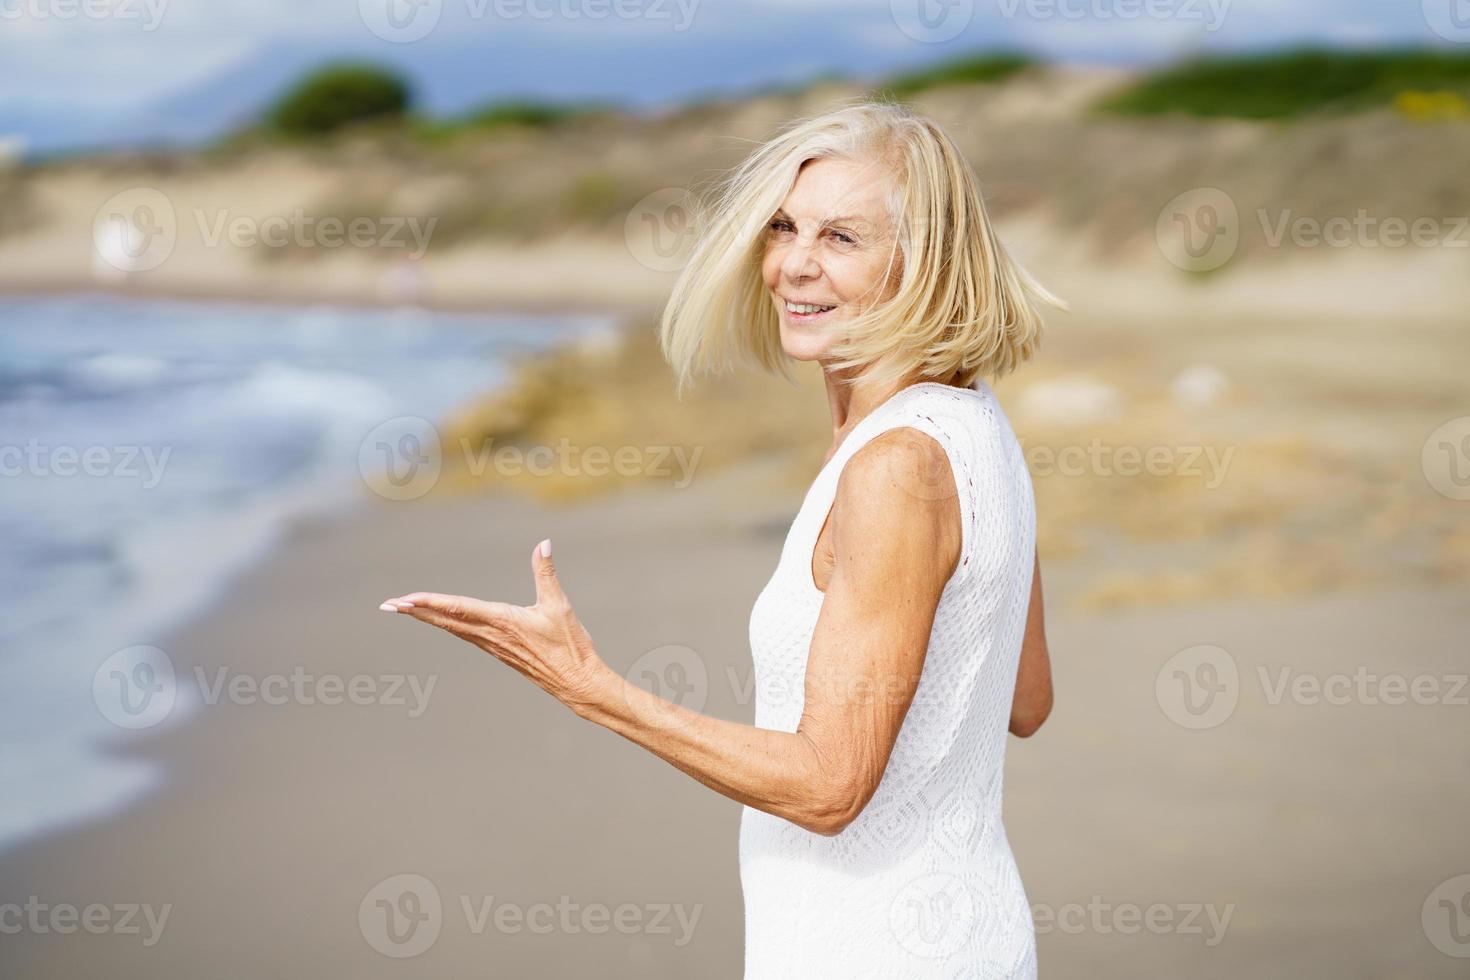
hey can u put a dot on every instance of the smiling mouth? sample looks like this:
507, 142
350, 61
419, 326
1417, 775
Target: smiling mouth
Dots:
805, 312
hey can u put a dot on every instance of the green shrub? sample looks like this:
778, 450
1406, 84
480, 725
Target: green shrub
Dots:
1281, 85
337, 96
593, 197
508, 115
972, 70
530, 115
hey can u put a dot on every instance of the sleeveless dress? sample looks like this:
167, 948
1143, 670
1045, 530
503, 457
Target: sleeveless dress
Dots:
922, 883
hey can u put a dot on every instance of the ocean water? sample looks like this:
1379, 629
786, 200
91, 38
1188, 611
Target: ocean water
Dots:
149, 450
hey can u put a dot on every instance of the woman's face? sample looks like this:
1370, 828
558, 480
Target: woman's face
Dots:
827, 252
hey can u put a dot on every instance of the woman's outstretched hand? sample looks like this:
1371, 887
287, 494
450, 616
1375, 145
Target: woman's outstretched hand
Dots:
546, 641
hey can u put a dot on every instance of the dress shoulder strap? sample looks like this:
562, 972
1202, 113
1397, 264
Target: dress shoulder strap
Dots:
951, 417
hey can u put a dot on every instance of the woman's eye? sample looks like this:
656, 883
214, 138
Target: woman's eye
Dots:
844, 238
780, 225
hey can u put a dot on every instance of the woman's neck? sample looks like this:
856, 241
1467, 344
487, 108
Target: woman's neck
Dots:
851, 402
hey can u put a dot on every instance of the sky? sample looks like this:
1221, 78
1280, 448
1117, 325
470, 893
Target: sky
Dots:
82, 73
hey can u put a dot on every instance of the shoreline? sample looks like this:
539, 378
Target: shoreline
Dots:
73, 287
181, 567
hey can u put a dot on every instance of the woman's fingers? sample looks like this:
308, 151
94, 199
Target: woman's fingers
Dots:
474, 632
539, 641
548, 586
459, 606
484, 623
435, 618
452, 605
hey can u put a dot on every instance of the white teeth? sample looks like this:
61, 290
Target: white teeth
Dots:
807, 308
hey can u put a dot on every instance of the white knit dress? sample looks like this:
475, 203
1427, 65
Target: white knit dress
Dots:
923, 883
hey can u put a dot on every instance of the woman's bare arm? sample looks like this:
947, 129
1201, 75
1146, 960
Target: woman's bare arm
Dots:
1032, 702
895, 549
894, 552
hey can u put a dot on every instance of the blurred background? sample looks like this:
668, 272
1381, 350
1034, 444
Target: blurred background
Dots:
305, 305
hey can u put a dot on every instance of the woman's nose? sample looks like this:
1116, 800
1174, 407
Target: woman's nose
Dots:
800, 261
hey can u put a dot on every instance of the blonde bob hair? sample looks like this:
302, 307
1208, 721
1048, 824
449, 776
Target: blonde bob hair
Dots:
962, 306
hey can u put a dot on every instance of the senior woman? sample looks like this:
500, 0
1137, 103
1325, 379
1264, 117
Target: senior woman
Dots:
906, 605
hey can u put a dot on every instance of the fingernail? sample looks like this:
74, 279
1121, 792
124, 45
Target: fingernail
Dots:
387, 607
546, 548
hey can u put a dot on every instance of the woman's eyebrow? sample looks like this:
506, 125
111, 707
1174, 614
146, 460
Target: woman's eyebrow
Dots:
845, 219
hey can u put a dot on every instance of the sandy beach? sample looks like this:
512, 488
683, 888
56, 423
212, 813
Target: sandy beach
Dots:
1288, 840
1251, 477
1256, 766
